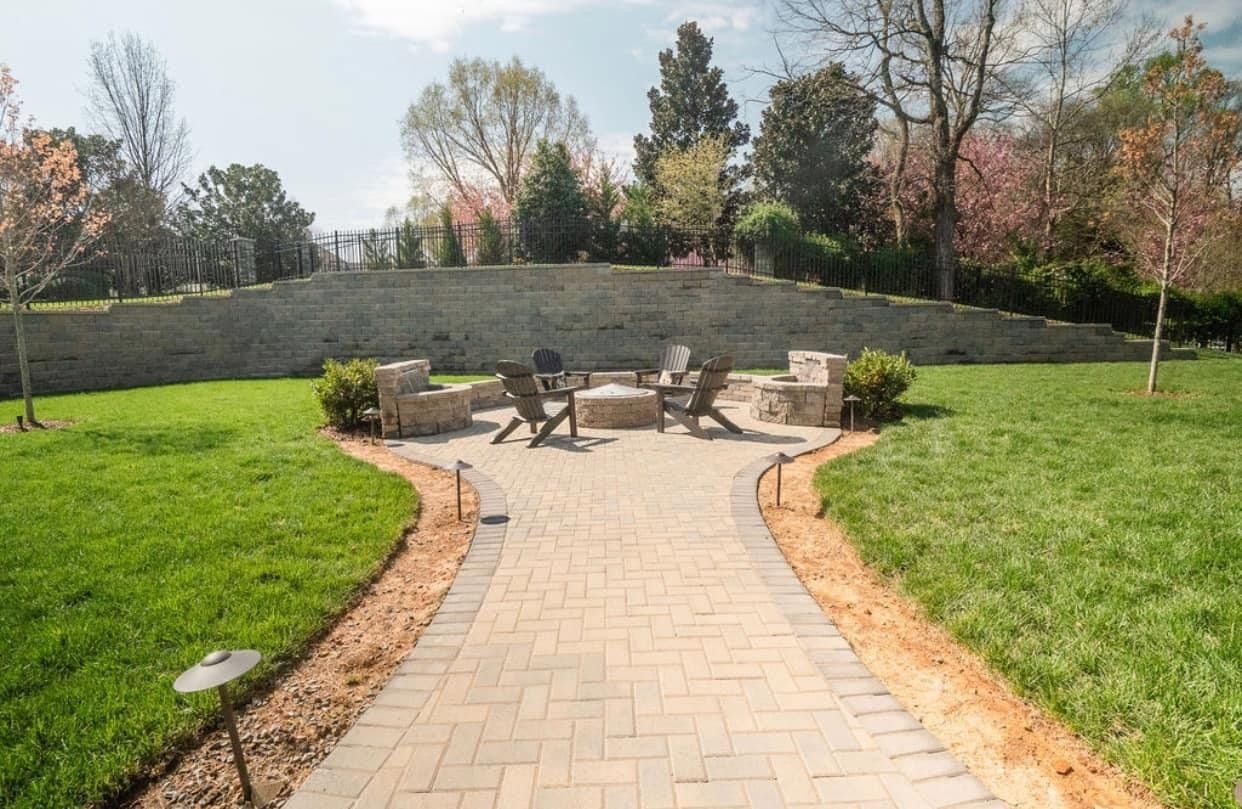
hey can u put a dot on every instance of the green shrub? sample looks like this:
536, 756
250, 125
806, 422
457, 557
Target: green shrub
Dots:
491, 241
449, 252
879, 379
345, 390
774, 223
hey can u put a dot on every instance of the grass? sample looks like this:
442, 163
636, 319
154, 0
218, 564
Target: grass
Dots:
449, 379
164, 523
1084, 540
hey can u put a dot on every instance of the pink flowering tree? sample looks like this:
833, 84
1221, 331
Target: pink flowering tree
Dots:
46, 222
1175, 170
997, 194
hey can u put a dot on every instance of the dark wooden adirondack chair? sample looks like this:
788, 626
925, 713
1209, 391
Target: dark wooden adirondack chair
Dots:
701, 399
528, 399
673, 363
551, 373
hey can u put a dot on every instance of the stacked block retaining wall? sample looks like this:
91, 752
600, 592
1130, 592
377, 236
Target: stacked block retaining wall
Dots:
466, 319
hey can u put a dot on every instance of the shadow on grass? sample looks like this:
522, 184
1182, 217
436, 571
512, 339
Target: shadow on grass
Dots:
158, 440
925, 410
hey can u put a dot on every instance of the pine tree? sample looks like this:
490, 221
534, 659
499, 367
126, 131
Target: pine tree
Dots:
551, 207
409, 246
692, 102
491, 241
449, 253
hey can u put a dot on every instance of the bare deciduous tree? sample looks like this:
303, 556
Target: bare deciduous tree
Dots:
1068, 40
131, 99
486, 121
929, 63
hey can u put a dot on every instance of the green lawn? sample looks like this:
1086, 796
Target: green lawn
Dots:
449, 379
165, 523
1085, 541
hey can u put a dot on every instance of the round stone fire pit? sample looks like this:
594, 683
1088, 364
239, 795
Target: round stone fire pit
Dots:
614, 405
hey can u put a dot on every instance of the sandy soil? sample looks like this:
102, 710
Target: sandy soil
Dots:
1026, 757
293, 725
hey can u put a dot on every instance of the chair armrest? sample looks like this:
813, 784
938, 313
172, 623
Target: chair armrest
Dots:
638, 375
667, 388
569, 390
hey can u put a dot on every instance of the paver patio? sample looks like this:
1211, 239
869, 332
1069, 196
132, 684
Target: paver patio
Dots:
631, 636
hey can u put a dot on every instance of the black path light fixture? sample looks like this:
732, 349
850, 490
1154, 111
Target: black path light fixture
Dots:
372, 417
779, 460
457, 466
217, 670
851, 400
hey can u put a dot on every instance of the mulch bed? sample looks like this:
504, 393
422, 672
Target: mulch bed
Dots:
50, 424
1026, 757
290, 727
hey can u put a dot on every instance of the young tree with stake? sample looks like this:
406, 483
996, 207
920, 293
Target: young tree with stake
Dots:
46, 221
1175, 168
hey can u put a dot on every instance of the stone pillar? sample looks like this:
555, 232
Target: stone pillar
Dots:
394, 379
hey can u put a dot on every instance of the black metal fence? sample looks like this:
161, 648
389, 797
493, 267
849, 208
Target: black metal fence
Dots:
173, 267
162, 268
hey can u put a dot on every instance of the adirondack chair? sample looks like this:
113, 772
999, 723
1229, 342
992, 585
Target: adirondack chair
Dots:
528, 399
551, 373
673, 363
700, 398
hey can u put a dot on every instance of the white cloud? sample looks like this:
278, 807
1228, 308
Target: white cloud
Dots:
437, 23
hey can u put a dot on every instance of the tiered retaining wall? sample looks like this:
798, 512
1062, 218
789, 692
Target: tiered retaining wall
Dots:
466, 319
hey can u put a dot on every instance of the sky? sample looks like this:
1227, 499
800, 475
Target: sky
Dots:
315, 89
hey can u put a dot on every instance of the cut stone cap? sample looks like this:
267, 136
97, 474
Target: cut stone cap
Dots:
614, 390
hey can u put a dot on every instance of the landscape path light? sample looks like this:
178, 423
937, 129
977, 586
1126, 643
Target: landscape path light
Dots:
850, 400
372, 417
779, 459
457, 466
217, 670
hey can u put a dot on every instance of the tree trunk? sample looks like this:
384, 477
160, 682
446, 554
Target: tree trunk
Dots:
897, 179
1050, 168
946, 220
23, 361
1155, 343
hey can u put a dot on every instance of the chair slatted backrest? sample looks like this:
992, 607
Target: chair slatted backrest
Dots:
521, 387
713, 377
674, 360
547, 361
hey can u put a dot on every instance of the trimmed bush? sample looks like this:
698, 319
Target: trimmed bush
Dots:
879, 379
773, 223
345, 390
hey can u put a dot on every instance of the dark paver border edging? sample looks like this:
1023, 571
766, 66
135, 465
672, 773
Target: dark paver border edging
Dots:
360, 754
941, 780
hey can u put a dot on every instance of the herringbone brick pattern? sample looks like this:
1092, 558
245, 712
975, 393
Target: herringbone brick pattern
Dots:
629, 637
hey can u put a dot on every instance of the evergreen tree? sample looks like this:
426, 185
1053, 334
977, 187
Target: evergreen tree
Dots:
375, 252
409, 246
603, 202
812, 151
551, 207
449, 253
491, 241
692, 102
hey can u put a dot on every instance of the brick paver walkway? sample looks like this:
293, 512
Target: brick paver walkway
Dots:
631, 636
